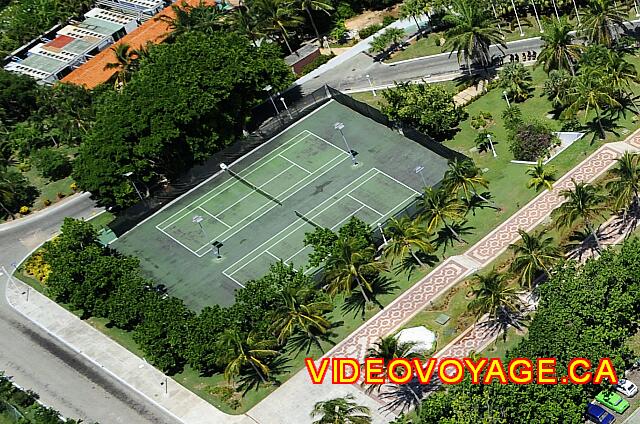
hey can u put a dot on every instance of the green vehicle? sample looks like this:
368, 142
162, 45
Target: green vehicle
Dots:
613, 401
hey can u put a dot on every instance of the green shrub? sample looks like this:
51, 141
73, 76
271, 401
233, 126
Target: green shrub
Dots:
52, 164
388, 20
369, 31
339, 32
532, 141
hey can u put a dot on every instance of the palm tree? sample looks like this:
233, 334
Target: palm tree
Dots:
276, 18
439, 206
534, 253
300, 312
541, 177
308, 6
602, 20
445, 237
624, 182
405, 235
413, 9
584, 202
621, 72
473, 30
187, 18
348, 267
591, 89
246, 23
494, 296
388, 348
558, 51
464, 175
126, 60
240, 350
516, 81
341, 411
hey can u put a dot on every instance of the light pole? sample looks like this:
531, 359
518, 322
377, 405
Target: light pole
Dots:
197, 219
217, 245
504, 93
535, 11
285, 107
575, 6
517, 18
384, 238
495, 14
326, 40
373, 90
418, 170
268, 90
493, 150
128, 175
339, 126
555, 7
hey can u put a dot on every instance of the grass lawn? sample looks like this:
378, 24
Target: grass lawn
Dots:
499, 348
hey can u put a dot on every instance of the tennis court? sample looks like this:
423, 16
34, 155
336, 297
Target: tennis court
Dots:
257, 210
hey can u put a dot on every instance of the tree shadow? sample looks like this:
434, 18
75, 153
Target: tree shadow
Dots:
401, 398
250, 380
303, 341
409, 263
356, 302
505, 320
609, 124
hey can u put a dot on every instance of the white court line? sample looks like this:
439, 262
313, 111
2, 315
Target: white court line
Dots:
373, 170
315, 177
180, 243
233, 279
269, 253
377, 172
295, 164
364, 204
225, 186
214, 217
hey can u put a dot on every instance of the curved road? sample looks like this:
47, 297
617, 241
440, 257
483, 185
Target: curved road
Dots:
36, 361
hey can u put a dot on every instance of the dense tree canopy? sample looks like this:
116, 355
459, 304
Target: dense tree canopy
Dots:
188, 100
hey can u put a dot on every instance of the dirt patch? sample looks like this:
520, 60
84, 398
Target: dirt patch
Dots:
370, 17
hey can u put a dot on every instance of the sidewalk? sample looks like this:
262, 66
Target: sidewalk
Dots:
114, 359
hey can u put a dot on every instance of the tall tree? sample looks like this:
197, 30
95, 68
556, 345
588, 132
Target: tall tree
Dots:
603, 20
464, 176
440, 206
413, 9
559, 52
591, 90
341, 411
517, 81
301, 311
351, 267
320, 5
186, 18
388, 348
624, 182
125, 62
582, 203
541, 177
239, 350
277, 18
493, 295
473, 30
405, 235
533, 254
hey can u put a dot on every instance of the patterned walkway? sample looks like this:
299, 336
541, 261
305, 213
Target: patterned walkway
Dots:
481, 254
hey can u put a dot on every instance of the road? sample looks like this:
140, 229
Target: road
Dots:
351, 75
36, 361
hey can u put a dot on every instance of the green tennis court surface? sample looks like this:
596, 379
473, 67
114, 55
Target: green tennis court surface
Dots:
262, 206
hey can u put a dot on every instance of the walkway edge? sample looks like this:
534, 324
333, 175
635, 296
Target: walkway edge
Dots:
14, 296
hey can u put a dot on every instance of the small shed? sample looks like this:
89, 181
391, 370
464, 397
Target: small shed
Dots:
302, 57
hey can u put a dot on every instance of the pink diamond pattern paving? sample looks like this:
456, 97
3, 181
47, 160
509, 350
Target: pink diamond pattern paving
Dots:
400, 310
535, 212
634, 139
474, 340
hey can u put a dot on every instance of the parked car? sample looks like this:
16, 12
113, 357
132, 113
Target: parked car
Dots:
627, 387
598, 415
613, 401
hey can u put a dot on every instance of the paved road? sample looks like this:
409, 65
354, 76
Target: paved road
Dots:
36, 361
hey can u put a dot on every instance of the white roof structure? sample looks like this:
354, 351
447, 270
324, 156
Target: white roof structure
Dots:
423, 339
